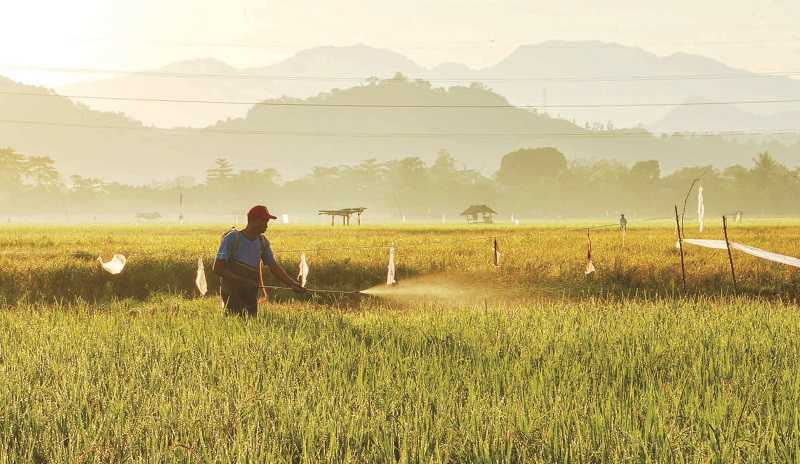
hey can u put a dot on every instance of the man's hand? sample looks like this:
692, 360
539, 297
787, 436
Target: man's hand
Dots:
278, 272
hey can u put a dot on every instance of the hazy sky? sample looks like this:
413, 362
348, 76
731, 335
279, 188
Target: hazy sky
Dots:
137, 34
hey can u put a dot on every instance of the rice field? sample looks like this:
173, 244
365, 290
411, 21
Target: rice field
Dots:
58, 264
529, 362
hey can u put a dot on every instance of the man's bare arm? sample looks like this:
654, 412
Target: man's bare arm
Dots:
281, 274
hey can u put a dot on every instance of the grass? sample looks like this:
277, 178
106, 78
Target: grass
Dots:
172, 380
536, 363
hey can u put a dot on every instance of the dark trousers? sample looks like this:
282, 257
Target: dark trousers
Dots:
240, 301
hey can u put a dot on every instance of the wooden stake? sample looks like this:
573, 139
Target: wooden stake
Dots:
680, 246
589, 241
496, 257
730, 255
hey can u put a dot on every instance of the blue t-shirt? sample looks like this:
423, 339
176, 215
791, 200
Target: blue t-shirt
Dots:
248, 252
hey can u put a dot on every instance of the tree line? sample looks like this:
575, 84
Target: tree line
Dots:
531, 183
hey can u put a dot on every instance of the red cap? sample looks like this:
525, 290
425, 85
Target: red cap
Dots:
259, 212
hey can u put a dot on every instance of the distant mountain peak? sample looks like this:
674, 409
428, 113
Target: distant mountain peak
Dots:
689, 62
352, 53
574, 56
578, 45
200, 65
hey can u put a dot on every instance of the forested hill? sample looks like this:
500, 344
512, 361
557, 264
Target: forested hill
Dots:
382, 119
36, 121
458, 119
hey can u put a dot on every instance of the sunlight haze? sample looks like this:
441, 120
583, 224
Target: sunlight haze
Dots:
147, 34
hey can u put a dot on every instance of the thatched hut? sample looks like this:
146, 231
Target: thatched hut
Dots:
479, 214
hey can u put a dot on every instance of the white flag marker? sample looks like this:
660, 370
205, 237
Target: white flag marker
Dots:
589, 268
302, 275
390, 280
701, 207
200, 279
115, 266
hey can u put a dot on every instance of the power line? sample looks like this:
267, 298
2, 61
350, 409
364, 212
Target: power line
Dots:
611, 78
586, 134
400, 106
451, 45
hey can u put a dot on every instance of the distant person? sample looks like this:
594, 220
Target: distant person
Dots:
623, 223
239, 260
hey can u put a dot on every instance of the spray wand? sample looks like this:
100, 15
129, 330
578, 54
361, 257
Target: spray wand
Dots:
313, 290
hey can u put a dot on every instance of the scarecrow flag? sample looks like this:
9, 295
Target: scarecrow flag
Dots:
200, 280
589, 266
302, 276
390, 280
701, 208
115, 266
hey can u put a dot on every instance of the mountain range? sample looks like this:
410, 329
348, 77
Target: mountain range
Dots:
571, 80
381, 119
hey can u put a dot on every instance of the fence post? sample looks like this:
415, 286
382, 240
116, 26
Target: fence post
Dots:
730, 255
680, 246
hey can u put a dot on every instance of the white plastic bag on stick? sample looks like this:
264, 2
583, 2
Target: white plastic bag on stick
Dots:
302, 275
390, 280
200, 280
701, 207
589, 266
115, 266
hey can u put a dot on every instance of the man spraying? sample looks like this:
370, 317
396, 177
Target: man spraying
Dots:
239, 260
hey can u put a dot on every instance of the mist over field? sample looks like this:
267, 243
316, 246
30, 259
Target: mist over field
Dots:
395, 232
419, 126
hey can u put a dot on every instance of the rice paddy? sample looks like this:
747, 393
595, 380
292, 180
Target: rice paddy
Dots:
529, 362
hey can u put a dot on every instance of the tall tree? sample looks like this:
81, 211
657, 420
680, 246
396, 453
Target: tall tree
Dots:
12, 170
41, 172
221, 172
526, 165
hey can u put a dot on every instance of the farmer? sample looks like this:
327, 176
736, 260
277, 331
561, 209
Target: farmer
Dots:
238, 263
623, 223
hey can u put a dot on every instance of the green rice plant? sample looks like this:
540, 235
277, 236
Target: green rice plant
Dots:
172, 380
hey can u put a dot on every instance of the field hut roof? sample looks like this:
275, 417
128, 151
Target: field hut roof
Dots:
478, 209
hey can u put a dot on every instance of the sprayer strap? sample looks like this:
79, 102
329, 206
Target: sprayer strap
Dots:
237, 238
